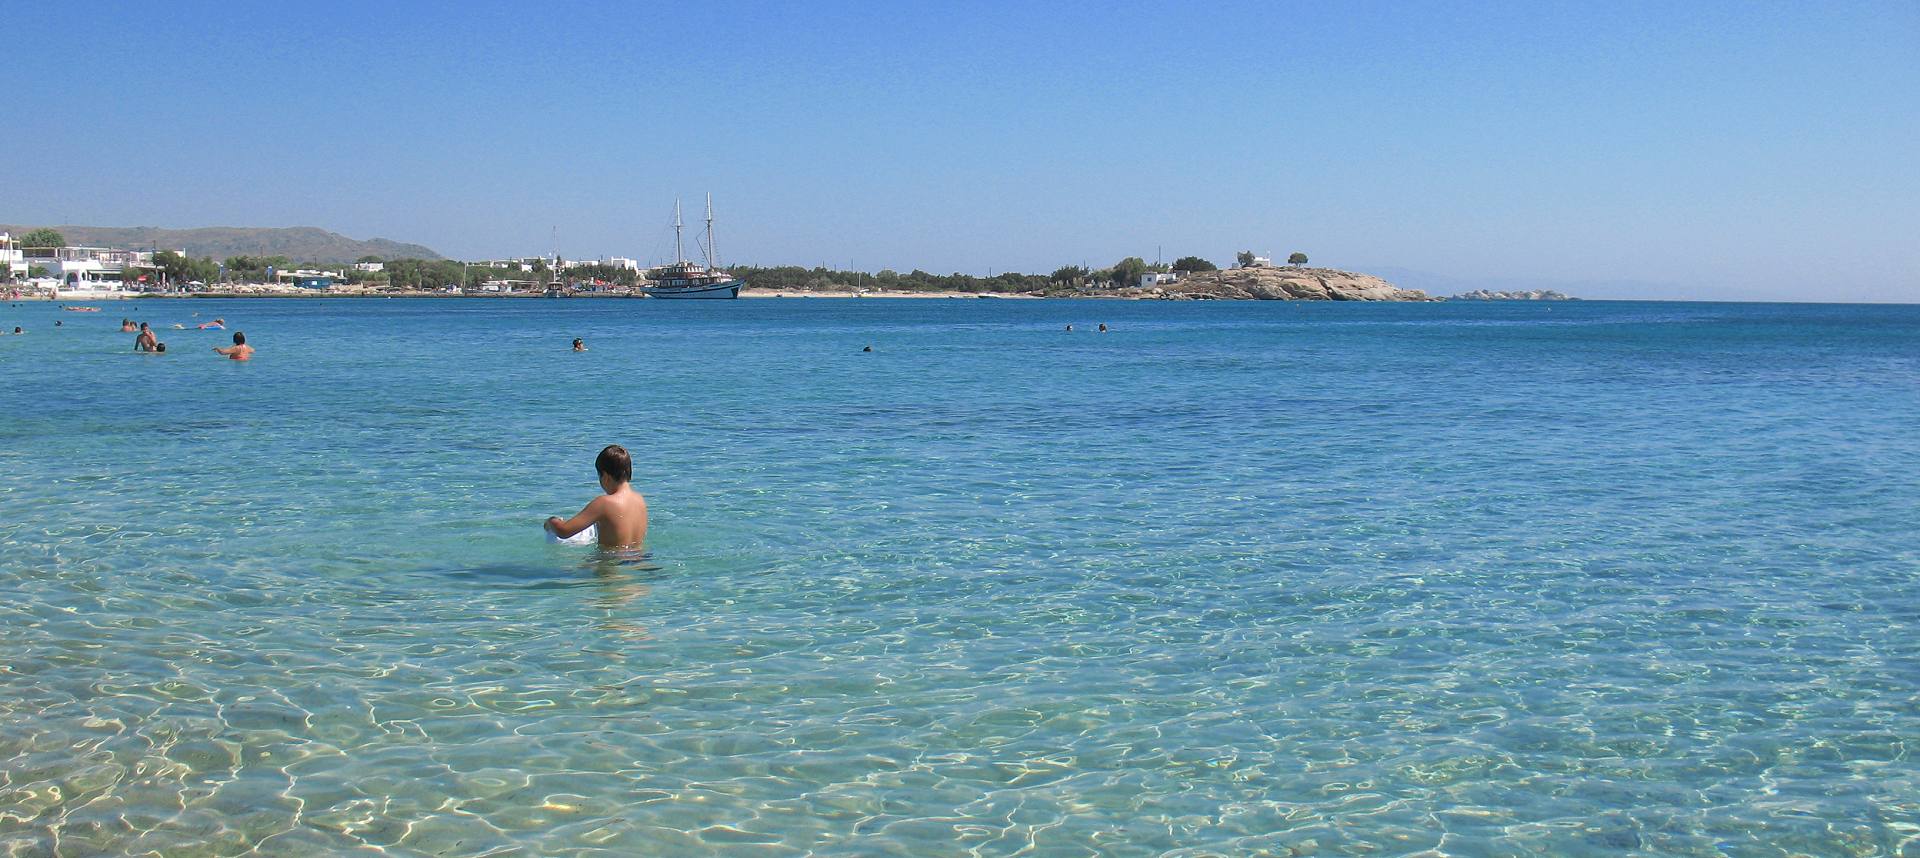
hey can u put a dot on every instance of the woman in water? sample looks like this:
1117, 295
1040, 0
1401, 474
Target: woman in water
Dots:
239, 350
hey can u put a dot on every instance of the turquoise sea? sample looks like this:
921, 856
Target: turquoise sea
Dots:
1232, 579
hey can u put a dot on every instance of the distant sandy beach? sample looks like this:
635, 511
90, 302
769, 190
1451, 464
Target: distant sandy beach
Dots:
750, 292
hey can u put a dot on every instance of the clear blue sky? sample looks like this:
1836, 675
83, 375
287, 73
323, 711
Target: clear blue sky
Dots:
1745, 149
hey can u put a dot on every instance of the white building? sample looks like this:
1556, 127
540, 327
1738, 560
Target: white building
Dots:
525, 264
82, 279
1156, 278
623, 262
12, 258
369, 267
85, 272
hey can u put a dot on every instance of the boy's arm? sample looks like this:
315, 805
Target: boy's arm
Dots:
565, 529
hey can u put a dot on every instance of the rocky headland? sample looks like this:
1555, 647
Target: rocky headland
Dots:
1273, 283
1522, 295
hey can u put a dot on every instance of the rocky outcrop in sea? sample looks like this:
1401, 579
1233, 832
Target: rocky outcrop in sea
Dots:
1527, 295
1278, 284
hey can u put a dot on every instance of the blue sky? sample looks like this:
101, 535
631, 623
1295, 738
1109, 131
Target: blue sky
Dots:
1684, 150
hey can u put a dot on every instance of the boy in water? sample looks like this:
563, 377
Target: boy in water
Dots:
621, 513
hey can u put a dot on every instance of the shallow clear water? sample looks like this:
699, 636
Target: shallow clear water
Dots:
1248, 578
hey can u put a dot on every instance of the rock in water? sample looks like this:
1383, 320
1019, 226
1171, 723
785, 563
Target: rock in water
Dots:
1272, 283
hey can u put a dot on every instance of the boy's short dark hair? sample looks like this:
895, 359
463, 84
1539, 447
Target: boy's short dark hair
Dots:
160, 348
615, 463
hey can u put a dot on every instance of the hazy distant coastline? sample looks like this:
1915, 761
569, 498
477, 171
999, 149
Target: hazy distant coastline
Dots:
1513, 295
257, 262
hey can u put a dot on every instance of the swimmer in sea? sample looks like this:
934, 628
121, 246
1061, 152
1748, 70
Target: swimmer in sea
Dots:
620, 514
1103, 327
239, 350
126, 326
215, 325
146, 342
1069, 327
578, 345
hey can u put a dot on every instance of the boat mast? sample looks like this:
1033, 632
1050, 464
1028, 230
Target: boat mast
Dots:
679, 252
713, 259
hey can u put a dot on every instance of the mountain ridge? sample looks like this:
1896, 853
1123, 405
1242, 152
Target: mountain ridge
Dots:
298, 243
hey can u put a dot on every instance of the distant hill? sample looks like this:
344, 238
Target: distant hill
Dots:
298, 243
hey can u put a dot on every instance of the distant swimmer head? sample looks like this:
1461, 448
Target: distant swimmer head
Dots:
867, 349
579, 345
1069, 327
1103, 327
239, 339
159, 348
614, 465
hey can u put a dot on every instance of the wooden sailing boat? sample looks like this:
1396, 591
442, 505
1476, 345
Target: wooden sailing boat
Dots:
685, 279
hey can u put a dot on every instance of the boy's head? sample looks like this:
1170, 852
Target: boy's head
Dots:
239, 339
614, 464
143, 326
160, 348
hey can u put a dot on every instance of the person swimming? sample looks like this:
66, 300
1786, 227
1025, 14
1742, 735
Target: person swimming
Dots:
215, 325
239, 350
619, 516
579, 345
1069, 327
1103, 327
146, 341
126, 326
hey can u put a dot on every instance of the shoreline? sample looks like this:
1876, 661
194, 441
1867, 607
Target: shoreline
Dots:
750, 292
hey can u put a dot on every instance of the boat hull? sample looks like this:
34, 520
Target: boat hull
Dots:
728, 289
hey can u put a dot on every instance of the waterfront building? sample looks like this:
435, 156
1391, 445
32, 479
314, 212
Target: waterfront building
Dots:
307, 279
13, 260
